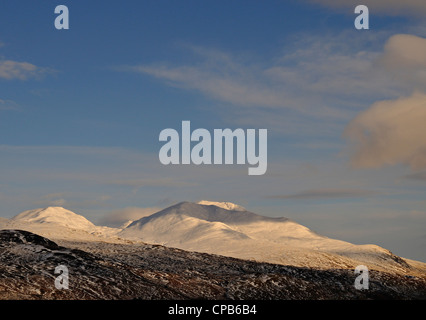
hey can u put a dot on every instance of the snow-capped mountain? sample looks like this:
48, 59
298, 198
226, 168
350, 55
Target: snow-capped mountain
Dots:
56, 215
211, 228
58, 223
276, 258
217, 228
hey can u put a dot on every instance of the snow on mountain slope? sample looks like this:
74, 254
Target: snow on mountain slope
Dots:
105, 271
57, 215
242, 234
224, 205
214, 227
211, 213
59, 223
176, 220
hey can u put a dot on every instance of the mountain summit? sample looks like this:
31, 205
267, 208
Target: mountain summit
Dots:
59, 223
56, 215
224, 205
214, 227
209, 212
207, 227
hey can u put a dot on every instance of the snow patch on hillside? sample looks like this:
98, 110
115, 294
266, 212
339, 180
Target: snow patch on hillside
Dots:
223, 205
57, 215
217, 228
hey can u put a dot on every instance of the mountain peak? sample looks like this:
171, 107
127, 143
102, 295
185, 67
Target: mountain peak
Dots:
224, 205
52, 209
57, 215
208, 211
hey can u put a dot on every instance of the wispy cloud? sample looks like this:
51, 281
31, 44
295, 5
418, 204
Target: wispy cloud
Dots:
70, 150
9, 105
10, 69
326, 194
156, 182
221, 77
312, 78
420, 176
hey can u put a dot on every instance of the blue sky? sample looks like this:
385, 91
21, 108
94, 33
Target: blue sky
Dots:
81, 110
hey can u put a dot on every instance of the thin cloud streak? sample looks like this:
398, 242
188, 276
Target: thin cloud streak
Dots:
9, 105
326, 194
10, 70
311, 78
419, 176
157, 182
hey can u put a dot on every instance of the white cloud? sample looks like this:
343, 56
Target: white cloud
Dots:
317, 78
235, 85
19, 70
404, 58
390, 132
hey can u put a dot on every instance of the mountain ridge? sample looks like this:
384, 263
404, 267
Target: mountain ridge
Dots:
217, 214
218, 230
246, 235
